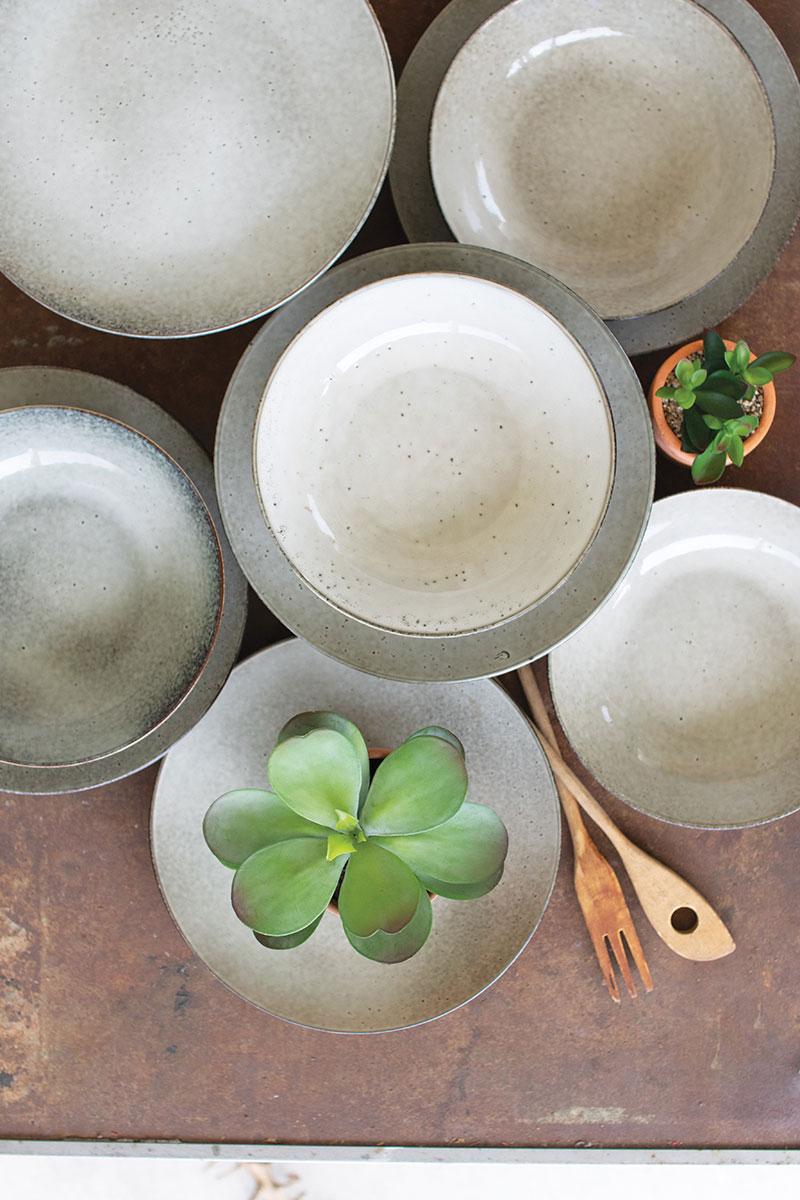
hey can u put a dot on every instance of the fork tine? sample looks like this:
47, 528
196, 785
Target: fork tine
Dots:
618, 950
631, 939
604, 959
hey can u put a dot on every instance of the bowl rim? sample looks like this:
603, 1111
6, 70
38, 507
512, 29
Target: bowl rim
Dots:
63, 387
199, 504
363, 214
428, 657
421, 216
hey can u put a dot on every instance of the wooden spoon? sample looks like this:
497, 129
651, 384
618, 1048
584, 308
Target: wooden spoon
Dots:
679, 914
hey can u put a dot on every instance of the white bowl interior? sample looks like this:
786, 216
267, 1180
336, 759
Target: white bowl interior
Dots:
682, 694
169, 168
112, 586
434, 453
625, 147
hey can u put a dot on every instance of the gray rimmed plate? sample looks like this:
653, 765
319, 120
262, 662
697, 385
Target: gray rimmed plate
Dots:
125, 607
169, 169
559, 132
324, 984
349, 529
682, 695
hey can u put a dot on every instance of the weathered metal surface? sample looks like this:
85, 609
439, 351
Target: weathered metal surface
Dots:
109, 1028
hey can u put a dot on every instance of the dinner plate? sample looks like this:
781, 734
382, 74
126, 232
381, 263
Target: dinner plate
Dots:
682, 694
123, 606
170, 169
398, 447
560, 132
324, 984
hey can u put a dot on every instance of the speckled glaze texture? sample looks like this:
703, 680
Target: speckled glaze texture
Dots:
422, 657
651, 221
434, 453
112, 586
682, 695
122, 659
171, 168
324, 983
576, 157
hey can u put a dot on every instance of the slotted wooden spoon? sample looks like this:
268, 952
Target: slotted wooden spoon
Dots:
679, 914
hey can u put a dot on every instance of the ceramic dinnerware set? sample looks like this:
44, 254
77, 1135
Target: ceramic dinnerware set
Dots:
434, 462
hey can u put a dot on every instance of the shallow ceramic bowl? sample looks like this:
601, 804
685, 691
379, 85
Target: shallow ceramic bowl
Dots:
112, 585
594, 139
325, 983
170, 169
434, 453
682, 694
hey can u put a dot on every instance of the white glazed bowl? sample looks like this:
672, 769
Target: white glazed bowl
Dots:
434, 453
625, 147
112, 586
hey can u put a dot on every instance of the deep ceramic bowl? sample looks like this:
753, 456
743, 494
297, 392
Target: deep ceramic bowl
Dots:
324, 983
595, 139
112, 586
434, 453
682, 694
170, 169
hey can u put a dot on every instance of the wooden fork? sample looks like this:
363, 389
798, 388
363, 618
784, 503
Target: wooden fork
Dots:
603, 904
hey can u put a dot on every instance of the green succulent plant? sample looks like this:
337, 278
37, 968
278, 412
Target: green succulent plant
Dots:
711, 391
381, 845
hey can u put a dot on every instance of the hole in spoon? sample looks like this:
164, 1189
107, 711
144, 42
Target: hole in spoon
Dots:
684, 920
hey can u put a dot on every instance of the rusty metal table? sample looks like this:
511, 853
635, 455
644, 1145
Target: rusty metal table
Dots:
110, 1030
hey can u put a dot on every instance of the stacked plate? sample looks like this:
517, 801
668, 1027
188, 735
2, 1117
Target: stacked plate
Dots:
596, 139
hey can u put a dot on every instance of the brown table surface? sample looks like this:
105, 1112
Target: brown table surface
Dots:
110, 1028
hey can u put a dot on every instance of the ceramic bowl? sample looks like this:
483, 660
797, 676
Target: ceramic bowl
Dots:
592, 138
123, 606
113, 586
435, 463
434, 453
682, 695
325, 984
171, 169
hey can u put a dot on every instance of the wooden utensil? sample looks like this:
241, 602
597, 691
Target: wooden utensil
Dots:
600, 896
679, 914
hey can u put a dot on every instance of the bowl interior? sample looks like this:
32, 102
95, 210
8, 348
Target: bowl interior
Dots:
112, 586
186, 167
681, 694
434, 453
602, 146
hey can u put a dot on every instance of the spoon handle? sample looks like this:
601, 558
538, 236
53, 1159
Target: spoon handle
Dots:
698, 932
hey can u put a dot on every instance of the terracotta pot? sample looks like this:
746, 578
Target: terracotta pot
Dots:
666, 440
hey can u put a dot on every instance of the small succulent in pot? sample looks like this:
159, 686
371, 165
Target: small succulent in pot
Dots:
379, 846
713, 402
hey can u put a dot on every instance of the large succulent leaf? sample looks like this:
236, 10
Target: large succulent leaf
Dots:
774, 361
291, 939
246, 820
378, 892
396, 947
283, 888
713, 351
308, 721
470, 848
318, 775
441, 732
460, 891
419, 785
718, 404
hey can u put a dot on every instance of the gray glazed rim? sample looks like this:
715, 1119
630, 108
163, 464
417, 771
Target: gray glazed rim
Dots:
356, 1033
60, 387
77, 762
177, 336
422, 219
590, 766
425, 657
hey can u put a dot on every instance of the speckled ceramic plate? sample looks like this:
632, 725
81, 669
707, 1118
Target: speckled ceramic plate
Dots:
324, 983
172, 168
560, 131
398, 535
124, 605
682, 695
